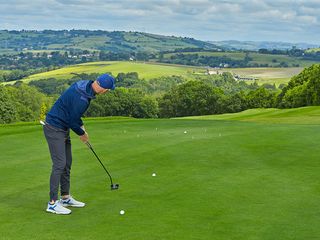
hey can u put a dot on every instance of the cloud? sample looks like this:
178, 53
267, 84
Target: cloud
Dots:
202, 19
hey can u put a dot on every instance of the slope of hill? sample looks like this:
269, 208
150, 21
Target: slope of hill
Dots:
116, 41
255, 58
304, 115
144, 70
313, 50
150, 70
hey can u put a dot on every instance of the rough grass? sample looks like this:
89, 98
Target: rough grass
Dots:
221, 179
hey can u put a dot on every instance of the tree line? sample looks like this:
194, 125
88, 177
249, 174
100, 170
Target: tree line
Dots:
162, 97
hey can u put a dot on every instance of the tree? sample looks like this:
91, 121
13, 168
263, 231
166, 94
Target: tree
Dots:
302, 90
261, 98
8, 111
28, 101
191, 98
236, 103
148, 108
124, 102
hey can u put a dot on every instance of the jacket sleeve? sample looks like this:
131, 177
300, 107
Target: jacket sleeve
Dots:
78, 108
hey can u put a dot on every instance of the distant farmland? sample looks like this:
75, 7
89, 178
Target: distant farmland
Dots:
145, 70
267, 75
273, 60
153, 70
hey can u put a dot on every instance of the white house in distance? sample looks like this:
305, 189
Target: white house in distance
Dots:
214, 71
237, 77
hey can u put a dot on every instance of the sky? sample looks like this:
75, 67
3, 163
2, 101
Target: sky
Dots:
208, 20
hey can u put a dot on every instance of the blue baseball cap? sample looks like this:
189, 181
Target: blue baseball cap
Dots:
106, 81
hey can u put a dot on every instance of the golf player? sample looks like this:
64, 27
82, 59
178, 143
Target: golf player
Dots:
64, 115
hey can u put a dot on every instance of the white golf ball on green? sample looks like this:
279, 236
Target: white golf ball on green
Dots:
122, 212
153, 174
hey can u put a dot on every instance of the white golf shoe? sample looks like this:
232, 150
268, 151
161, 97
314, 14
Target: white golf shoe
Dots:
57, 208
71, 202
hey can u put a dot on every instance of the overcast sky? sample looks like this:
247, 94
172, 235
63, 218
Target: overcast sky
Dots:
258, 20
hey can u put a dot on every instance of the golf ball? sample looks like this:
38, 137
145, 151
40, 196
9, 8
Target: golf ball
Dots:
185, 131
122, 212
153, 174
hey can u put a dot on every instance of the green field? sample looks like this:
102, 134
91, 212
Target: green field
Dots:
305, 115
314, 50
154, 70
145, 70
272, 74
266, 75
272, 60
246, 176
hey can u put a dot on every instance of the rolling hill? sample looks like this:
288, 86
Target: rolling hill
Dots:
144, 70
255, 45
116, 41
304, 115
148, 70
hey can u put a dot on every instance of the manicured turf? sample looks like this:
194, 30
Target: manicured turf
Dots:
304, 115
222, 179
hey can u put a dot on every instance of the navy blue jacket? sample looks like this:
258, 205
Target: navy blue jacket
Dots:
71, 105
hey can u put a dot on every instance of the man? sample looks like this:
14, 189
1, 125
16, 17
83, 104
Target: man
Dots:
66, 114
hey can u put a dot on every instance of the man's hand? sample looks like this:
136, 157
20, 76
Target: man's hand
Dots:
84, 138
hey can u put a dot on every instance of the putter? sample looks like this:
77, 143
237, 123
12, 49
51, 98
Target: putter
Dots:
114, 186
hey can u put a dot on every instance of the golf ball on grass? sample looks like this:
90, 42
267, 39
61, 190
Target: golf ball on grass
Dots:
153, 174
122, 212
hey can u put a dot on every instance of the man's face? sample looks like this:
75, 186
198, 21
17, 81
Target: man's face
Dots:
102, 90
98, 89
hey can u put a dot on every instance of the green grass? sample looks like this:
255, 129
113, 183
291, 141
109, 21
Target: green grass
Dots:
272, 74
304, 115
313, 50
153, 70
267, 75
4, 71
145, 70
273, 60
223, 179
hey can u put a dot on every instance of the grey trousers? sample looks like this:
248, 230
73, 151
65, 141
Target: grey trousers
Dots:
60, 150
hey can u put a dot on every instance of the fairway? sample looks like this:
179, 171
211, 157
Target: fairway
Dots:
215, 179
303, 115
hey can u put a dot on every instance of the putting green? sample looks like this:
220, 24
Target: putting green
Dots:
221, 179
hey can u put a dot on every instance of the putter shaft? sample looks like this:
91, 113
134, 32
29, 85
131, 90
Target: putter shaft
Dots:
89, 145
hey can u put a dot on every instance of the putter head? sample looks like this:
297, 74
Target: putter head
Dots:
115, 186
